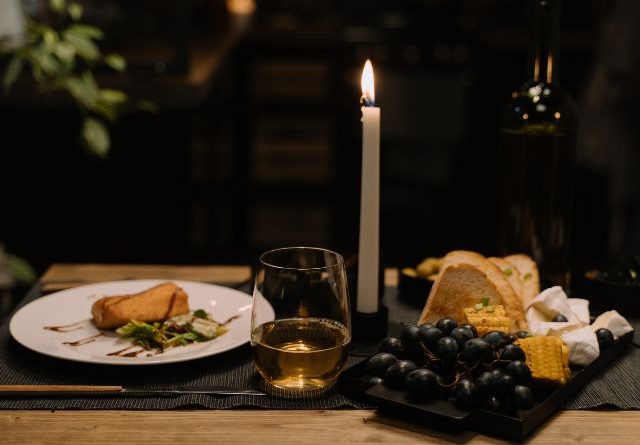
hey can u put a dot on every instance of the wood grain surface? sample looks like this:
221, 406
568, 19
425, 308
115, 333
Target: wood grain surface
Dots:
288, 427
254, 426
64, 276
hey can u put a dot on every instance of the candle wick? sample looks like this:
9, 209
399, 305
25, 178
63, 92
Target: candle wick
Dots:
365, 101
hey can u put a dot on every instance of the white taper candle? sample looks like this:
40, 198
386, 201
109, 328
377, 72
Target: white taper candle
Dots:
368, 255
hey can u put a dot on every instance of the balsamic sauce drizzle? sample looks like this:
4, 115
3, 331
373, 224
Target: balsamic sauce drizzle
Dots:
83, 341
229, 320
123, 352
67, 327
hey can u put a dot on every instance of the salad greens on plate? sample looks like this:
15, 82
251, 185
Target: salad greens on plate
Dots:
180, 330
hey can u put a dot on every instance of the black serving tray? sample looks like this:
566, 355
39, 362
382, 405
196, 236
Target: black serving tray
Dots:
355, 381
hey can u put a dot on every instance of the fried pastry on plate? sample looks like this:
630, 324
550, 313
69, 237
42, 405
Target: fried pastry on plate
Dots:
155, 304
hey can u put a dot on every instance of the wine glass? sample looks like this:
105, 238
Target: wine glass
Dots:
300, 322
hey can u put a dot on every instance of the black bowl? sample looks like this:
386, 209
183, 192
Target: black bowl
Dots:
413, 290
604, 295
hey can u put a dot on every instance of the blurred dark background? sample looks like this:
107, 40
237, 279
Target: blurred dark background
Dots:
257, 141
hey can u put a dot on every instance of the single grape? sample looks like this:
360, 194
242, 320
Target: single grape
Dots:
559, 319
522, 334
471, 328
375, 380
409, 336
512, 352
605, 338
493, 404
484, 383
379, 363
411, 343
497, 373
467, 395
446, 325
422, 383
504, 386
397, 373
519, 371
461, 336
447, 349
446, 370
426, 325
392, 345
475, 350
430, 335
495, 337
523, 397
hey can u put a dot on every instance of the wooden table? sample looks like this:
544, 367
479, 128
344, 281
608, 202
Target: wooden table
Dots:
266, 426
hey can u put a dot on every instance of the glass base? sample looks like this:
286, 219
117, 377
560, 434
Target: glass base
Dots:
295, 387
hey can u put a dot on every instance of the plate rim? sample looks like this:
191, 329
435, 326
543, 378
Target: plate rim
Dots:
160, 360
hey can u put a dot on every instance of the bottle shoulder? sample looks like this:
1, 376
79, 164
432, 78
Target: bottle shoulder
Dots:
542, 107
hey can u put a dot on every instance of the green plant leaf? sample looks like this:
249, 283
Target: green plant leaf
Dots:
90, 82
96, 136
20, 269
147, 105
113, 96
83, 45
57, 6
83, 89
12, 72
105, 109
109, 103
49, 36
36, 71
116, 61
47, 62
87, 31
65, 51
75, 11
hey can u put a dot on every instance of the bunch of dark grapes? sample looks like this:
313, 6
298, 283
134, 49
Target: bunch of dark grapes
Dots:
450, 361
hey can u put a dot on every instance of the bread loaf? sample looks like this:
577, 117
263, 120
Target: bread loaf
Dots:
511, 274
464, 280
530, 277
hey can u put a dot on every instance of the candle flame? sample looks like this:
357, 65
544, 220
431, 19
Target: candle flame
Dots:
368, 90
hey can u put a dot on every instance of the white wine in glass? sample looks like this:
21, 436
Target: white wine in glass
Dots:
301, 328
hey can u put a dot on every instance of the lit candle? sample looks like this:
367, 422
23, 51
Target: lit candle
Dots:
367, 301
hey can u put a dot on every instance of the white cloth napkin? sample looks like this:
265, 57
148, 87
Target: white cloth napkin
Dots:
575, 332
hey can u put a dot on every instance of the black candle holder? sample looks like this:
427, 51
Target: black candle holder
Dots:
366, 327
370, 326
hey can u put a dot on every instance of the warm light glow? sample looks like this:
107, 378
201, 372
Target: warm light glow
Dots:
525, 116
241, 7
368, 89
557, 115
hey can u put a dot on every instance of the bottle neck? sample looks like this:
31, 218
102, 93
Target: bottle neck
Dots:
545, 27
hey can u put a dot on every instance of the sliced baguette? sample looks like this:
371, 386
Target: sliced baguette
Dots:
530, 277
155, 304
511, 274
471, 278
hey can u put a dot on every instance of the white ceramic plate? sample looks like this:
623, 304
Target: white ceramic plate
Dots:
74, 305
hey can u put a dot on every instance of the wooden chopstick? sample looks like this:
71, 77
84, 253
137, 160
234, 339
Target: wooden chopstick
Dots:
59, 388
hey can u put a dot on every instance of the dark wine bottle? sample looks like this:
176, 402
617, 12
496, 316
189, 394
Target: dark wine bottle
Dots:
537, 153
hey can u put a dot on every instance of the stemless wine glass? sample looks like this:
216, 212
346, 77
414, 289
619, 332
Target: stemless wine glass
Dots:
300, 323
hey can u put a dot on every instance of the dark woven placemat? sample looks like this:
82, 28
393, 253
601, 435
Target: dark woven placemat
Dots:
618, 387
234, 369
